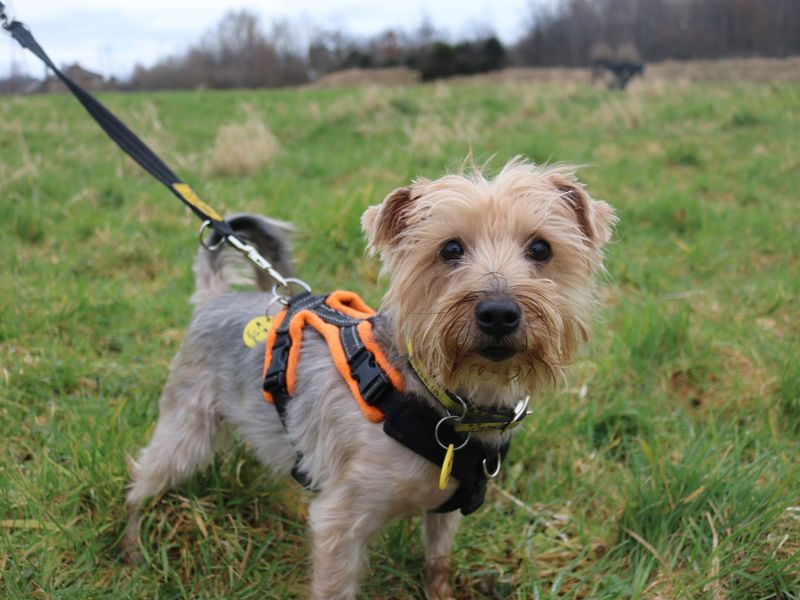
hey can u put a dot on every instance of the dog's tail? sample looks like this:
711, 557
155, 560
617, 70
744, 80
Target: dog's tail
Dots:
215, 272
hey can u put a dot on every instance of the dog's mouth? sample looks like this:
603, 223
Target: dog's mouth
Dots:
497, 353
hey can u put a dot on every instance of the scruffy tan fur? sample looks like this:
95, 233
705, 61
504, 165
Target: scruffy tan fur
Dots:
365, 478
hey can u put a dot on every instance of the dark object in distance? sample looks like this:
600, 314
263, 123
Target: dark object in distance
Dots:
622, 70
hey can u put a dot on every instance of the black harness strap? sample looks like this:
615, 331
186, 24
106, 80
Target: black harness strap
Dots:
275, 376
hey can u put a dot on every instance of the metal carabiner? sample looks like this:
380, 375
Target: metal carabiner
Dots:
251, 254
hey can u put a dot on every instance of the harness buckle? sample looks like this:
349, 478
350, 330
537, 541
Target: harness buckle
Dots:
275, 377
370, 377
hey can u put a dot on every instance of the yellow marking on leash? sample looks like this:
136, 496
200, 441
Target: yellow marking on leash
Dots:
192, 198
447, 466
256, 331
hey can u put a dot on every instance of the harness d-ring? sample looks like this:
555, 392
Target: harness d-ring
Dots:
285, 285
436, 433
496, 471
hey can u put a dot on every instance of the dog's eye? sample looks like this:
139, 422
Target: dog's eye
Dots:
452, 250
539, 250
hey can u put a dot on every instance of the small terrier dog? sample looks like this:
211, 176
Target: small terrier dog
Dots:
491, 283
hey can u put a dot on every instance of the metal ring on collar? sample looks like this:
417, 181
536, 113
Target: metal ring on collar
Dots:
496, 469
436, 433
463, 405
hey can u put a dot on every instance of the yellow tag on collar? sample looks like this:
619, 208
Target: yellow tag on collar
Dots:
447, 466
256, 331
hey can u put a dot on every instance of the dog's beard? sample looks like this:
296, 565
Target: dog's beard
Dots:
448, 343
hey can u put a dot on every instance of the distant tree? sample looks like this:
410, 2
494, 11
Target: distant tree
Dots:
564, 32
328, 50
442, 59
424, 50
236, 53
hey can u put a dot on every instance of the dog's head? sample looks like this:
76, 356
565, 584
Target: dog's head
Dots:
491, 280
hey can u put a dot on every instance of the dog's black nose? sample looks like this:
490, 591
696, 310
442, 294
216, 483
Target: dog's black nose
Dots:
498, 317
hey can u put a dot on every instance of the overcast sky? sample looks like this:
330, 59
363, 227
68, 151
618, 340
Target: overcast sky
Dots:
111, 36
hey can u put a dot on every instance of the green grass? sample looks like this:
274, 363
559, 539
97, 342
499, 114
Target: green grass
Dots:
666, 466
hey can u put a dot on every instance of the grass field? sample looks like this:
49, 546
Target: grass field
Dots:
667, 466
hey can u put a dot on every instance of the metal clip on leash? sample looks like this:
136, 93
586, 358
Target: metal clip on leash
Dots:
255, 257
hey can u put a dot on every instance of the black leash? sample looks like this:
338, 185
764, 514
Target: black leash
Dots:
144, 156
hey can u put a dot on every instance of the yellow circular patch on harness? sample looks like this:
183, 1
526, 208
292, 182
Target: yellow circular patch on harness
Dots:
256, 331
447, 466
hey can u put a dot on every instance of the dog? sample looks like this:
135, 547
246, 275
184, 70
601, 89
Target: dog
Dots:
491, 288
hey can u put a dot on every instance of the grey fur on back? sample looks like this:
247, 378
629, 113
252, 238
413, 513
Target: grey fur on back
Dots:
216, 271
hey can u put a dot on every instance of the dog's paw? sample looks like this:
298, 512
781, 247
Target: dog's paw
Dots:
131, 553
131, 556
437, 582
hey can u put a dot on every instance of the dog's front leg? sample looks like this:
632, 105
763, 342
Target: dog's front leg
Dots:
438, 531
342, 521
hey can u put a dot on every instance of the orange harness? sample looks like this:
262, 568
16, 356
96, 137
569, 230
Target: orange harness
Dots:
343, 320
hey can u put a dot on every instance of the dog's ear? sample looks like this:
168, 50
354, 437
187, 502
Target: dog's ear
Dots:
384, 222
595, 217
